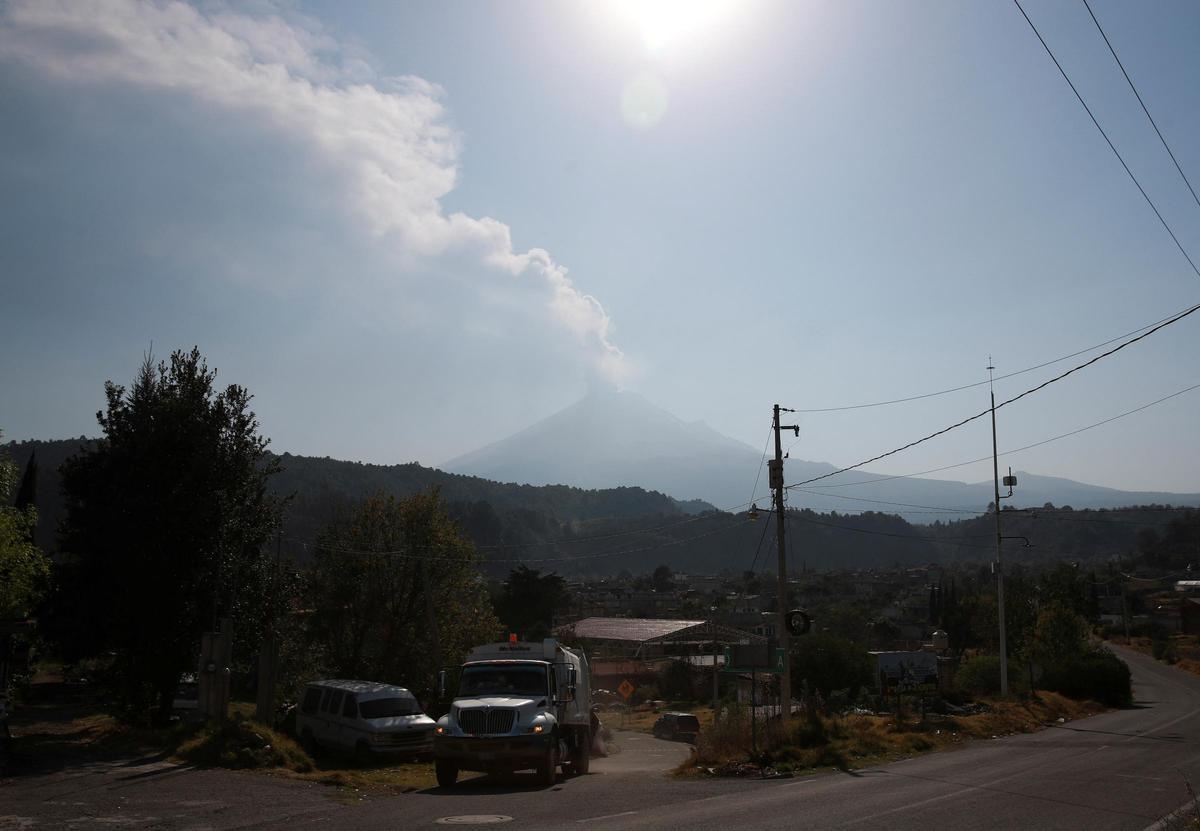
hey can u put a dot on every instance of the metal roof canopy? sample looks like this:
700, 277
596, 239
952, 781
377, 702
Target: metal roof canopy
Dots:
652, 630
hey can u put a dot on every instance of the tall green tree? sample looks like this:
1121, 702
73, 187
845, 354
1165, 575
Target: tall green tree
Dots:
529, 600
393, 585
23, 568
165, 528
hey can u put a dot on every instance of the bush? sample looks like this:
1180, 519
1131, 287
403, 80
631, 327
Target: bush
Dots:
1164, 650
1098, 675
646, 692
981, 675
245, 744
831, 663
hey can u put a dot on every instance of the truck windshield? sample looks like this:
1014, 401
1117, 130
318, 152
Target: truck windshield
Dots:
388, 707
507, 680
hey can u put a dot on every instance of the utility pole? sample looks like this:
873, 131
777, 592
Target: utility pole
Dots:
712, 631
776, 482
999, 545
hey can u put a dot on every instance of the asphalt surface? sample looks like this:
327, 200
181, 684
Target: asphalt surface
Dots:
1120, 770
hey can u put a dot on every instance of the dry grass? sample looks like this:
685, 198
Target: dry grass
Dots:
244, 744
63, 725
854, 741
642, 721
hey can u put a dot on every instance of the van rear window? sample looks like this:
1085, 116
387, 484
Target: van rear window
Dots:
688, 724
389, 707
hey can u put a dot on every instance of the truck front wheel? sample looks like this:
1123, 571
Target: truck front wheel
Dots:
547, 771
447, 774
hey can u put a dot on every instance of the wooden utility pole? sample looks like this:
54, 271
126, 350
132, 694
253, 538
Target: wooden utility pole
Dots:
776, 481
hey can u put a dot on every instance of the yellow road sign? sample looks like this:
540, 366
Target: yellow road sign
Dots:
626, 689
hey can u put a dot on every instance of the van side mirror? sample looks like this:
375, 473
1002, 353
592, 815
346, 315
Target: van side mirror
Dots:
571, 680
442, 683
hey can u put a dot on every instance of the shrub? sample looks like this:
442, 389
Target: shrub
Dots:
1164, 650
1098, 675
979, 675
245, 744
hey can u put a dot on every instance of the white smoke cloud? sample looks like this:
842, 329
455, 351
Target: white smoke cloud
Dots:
387, 139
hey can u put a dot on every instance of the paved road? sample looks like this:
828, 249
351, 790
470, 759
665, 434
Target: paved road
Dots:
1120, 770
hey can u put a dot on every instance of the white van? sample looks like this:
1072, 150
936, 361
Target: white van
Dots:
364, 717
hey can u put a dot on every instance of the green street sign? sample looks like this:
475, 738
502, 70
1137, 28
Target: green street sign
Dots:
774, 668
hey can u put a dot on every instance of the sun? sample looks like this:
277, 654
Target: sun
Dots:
663, 23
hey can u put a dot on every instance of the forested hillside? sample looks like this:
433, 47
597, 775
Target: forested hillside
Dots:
598, 532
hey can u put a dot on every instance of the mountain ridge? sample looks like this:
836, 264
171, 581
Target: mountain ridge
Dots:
609, 438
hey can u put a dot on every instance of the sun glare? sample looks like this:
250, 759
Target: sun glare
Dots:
662, 23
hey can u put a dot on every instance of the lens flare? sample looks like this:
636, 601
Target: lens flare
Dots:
644, 101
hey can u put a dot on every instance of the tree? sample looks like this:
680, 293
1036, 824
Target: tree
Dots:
166, 520
662, 579
831, 663
23, 568
392, 585
1060, 635
528, 601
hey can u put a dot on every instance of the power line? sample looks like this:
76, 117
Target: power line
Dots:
1145, 109
1014, 399
758, 548
935, 508
1009, 452
981, 383
1112, 146
754, 490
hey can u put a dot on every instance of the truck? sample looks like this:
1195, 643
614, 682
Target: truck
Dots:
518, 706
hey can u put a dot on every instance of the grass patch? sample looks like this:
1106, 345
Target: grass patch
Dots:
242, 744
854, 741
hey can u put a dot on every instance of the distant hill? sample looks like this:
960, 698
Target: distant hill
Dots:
493, 513
613, 438
600, 532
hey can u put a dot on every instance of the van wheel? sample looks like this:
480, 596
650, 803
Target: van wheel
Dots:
547, 771
308, 741
447, 774
581, 758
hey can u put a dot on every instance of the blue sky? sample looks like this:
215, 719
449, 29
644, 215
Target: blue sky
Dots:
411, 229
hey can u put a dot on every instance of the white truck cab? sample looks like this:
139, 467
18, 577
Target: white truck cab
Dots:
518, 706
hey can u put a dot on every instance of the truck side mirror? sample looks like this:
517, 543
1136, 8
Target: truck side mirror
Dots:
571, 679
441, 683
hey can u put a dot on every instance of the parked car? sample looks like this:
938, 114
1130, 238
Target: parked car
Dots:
364, 717
679, 726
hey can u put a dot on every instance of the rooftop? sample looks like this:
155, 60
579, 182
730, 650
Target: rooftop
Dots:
632, 629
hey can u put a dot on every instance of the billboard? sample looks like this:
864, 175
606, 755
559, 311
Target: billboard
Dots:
905, 669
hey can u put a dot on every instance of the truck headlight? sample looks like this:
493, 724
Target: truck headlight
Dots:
441, 731
537, 728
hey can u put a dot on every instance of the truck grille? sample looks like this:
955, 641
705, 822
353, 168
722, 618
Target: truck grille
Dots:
484, 722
